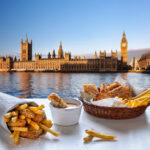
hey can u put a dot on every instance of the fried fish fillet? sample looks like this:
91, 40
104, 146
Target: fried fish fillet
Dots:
122, 91
91, 89
57, 101
113, 86
103, 88
38, 118
32, 133
27, 113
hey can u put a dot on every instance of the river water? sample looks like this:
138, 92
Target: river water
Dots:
40, 85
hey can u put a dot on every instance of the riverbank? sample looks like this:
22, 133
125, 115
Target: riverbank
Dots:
56, 71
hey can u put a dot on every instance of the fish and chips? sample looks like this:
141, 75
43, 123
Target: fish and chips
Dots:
28, 122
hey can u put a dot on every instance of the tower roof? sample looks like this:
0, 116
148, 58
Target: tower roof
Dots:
60, 51
124, 37
60, 45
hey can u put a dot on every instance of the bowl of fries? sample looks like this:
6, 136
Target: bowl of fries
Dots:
65, 111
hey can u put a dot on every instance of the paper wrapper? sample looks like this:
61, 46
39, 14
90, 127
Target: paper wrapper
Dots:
8, 103
134, 89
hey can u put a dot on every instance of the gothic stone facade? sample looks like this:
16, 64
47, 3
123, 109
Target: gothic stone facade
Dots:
67, 64
63, 62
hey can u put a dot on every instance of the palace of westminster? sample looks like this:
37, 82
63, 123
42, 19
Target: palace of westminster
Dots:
63, 62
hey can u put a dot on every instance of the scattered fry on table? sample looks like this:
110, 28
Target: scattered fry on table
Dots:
92, 133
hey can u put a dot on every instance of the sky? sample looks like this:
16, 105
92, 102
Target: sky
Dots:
83, 26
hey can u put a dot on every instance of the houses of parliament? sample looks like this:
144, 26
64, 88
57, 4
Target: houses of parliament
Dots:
63, 62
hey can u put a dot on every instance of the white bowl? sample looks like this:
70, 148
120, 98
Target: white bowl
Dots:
69, 116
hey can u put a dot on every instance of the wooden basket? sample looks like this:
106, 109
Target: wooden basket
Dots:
112, 112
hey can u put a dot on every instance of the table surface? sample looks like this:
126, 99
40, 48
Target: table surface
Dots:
132, 134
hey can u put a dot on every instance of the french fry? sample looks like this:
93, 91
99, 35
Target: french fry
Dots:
22, 117
12, 134
6, 119
142, 98
143, 101
7, 115
48, 130
22, 107
14, 113
47, 123
35, 109
22, 129
99, 135
88, 138
14, 119
39, 112
33, 124
28, 120
18, 123
16, 137
144, 93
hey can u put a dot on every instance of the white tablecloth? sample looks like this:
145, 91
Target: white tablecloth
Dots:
132, 134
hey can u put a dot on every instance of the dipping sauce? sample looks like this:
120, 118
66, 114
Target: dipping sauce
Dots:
71, 105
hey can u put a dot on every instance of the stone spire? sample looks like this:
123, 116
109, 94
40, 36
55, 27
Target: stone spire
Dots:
124, 37
53, 55
95, 55
49, 55
60, 51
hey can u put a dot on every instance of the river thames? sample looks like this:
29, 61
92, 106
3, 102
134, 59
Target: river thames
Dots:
40, 85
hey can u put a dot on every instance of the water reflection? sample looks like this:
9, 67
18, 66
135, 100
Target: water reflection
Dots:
40, 85
25, 85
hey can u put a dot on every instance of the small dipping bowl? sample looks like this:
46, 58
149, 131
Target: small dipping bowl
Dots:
67, 116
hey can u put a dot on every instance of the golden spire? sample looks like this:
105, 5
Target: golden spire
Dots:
60, 51
124, 35
95, 55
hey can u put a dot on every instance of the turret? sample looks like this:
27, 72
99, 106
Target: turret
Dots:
49, 55
15, 59
53, 55
67, 56
37, 57
60, 51
102, 54
114, 54
26, 50
95, 55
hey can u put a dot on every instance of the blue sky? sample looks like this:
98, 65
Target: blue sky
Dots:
83, 25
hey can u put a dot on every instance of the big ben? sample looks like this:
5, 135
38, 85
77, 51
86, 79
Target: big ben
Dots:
124, 46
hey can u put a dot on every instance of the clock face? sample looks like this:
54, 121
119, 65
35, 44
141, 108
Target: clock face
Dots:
123, 44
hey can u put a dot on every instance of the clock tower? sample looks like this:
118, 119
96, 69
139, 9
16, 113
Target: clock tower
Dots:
124, 46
